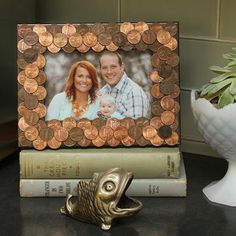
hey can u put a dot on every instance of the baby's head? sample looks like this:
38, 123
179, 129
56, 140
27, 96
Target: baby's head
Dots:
107, 104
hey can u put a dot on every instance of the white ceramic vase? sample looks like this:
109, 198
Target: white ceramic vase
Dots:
218, 127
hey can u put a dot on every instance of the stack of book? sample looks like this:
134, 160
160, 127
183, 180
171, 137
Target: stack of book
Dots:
55, 173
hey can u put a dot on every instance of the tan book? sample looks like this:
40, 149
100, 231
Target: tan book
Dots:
82, 163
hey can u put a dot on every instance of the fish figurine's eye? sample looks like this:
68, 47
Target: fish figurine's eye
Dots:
109, 186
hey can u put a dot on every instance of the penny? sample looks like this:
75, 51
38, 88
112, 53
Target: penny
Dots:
83, 29
31, 133
156, 122
83, 48
164, 70
135, 131
31, 117
30, 101
54, 143
21, 94
76, 134
176, 108
156, 108
41, 78
39, 28
61, 134
113, 142
40, 48
148, 37
172, 45
175, 125
21, 63
167, 117
166, 87
127, 46
172, 29
112, 47
69, 142
106, 133
22, 46
163, 36
141, 46
68, 29
157, 141
41, 110
126, 27
173, 139
105, 38
39, 144
98, 142
22, 124
112, 28
164, 53
68, 123
68, 48
23, 30
155, 27
54, 28
23, 141
120, 133
134, 36
98, 47
98, 122
31, 38
97, 28
154, 46
40, 61
30, 55
46, 133
165, 131
113, 123
30, 85
84, 142
149, 132
128, 141
141, 141
155, 91
91, 132
155, 60
84, 123
60, 40
21, 109
40, 125
54, 124
141, 26
155, 77
176, 91
174, 77
173, 59
142, 121
45, 38
75, 40
53, 48
167, 103
90, 39
127, 122
119, 39
31, 71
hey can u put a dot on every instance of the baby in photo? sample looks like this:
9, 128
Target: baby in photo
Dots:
107, 107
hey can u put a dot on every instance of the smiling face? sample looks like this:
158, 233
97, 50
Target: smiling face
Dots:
82, 80
111, 70
107, 108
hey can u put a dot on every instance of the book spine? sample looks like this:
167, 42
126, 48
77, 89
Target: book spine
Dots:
138, 187
53, 165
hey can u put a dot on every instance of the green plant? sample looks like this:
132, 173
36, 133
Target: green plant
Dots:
222, 89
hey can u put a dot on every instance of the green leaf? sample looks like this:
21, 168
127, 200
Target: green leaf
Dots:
225, 99
234, 48
222, 77
232, 88
230, 64
229, 56
218, 69
219, 86
206, 89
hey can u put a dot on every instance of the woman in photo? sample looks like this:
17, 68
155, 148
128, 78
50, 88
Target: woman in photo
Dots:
79, 98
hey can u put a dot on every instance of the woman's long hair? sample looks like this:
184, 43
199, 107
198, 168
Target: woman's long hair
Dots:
70, 87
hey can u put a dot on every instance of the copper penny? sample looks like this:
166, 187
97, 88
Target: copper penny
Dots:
135, 132
173, 139
41, 93
97, 28
40, 61
126, 27
46, 133
176, 108
113, 142
149, 132
41, 124
142, 121
164, 53
175, 125
163, 36
157, 141
112, 47
156, 108
30, 85
83, 48
112, 28
75, 40
127, 46
21, 77
54, 124
155, 27
39, 144
141, 141
53, 48
68, 29
155, 91
23, 141
128, 141
54, 143
127, 122
61, 134
176, 91
54, 29
82, 29
41, 110
98, 142
174, 77
106, 133
39, 28
69, 142
21, 109
31, 71
172, 29
23, 29
120, 133
40, 48
76, 134
105, 38
148, 37
155, 60
69, 123
166, 87
68, 48
156, 122
167, 117
119, 39
134, 36
172, 45
84, 142
22, 124
90, 39
98, 47
164, 70
30, 55
31, 117
84, 123
21, 94
165, 131
31, 38
141, 46
113, 123
167, 103
154, 46
45, 39
141, 26
173, 59
22, 46
98, 122
155, 77
91, 132
21, 63
41, 78
31, 101
60, 40
31, 133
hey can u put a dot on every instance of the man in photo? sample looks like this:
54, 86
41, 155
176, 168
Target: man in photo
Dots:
131, 100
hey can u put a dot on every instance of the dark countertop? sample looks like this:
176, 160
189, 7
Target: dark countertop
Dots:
193, 215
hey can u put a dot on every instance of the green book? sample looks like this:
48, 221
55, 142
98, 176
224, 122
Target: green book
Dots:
148, 162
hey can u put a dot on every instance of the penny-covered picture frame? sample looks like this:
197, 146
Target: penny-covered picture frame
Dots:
102, 84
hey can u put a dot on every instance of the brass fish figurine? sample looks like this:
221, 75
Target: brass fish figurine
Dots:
103, 199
